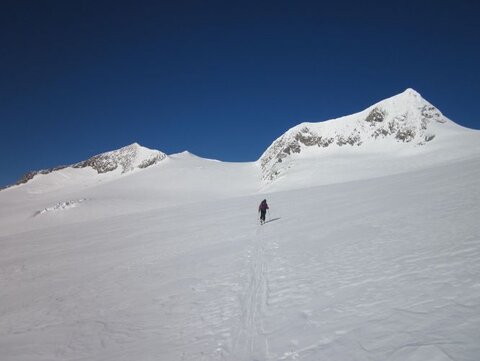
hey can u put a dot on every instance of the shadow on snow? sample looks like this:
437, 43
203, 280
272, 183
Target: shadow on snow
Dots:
272, 220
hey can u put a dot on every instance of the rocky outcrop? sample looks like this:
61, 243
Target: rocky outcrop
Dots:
375, 116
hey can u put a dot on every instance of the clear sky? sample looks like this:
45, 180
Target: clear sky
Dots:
220, 79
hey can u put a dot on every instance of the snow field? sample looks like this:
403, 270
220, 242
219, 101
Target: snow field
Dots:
390, 274
375, 269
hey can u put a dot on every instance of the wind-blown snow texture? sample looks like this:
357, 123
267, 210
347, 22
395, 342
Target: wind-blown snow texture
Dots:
367, 255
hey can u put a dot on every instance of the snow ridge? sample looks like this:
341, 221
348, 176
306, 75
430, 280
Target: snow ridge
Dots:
126, 159
404, 118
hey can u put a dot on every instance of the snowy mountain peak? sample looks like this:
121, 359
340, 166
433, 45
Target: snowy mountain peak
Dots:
405, 119
411, 93
409, 99
125, 159
134, 145
186, 153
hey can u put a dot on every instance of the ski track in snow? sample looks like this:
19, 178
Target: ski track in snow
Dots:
251, 340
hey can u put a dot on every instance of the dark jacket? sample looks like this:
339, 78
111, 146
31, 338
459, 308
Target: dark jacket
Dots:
263, 206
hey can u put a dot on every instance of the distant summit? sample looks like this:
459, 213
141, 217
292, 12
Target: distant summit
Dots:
125, 159
403, 119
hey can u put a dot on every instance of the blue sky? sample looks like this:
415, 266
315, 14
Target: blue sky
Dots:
220, 79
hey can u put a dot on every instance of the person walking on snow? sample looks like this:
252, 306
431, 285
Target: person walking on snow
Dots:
262, 209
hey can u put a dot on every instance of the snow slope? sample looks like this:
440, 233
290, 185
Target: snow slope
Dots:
178, 179
377, 269
371, 252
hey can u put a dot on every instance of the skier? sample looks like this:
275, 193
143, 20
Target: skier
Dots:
262, 209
